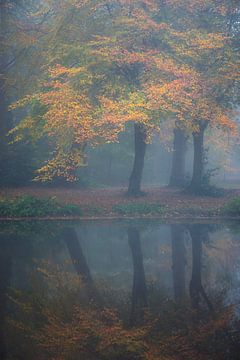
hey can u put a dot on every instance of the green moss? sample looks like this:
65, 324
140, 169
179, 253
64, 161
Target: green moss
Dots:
232, 207
31, 206
93, 210
138, 208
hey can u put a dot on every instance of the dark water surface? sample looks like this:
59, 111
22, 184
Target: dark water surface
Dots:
178, 283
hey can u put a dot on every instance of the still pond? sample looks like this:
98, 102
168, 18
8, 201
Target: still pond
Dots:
129, 289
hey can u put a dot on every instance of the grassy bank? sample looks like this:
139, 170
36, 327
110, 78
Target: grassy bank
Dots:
158, 202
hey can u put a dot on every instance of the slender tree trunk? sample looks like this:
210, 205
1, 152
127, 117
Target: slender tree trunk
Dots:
177, 177
134, 188
198, 160
109, 178
178, 261
139, 291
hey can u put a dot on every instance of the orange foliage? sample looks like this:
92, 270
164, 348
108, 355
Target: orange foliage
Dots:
139, 66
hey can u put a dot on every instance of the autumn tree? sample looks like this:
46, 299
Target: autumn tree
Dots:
147, 57
173, 83
66, 105
111, 70
217, 89
111, 63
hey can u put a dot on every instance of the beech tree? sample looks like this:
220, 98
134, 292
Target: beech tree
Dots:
177, 177
111, 63
107, 74
218, 88
182, 88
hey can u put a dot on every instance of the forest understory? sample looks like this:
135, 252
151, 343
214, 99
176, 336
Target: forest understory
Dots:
158, 202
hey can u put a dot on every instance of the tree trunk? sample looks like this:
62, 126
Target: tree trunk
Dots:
177, 177
178, 261
139, 291
198, 160
134, 188
109, 177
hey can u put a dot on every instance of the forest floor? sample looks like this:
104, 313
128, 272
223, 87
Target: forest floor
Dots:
101, 203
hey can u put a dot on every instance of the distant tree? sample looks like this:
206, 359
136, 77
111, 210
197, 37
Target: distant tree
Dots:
178, 176
210, 54
21, 27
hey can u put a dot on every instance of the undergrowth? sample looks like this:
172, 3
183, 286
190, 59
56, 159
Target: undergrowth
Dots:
31, 206
138, 208
232, 207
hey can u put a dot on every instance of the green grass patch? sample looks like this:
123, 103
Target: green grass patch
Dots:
93, 210
232, 207
31, 206
138, 209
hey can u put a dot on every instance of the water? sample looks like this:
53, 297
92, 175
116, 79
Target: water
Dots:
136, 289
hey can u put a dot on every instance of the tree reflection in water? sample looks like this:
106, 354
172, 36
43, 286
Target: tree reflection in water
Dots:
139, 289
101, 317
5, 278
199, 235
178, 261
79, 263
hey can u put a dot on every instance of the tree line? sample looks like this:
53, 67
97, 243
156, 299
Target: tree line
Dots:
76, 73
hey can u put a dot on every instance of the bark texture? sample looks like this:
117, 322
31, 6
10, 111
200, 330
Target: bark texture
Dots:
177, 177
198, 160
134, 188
